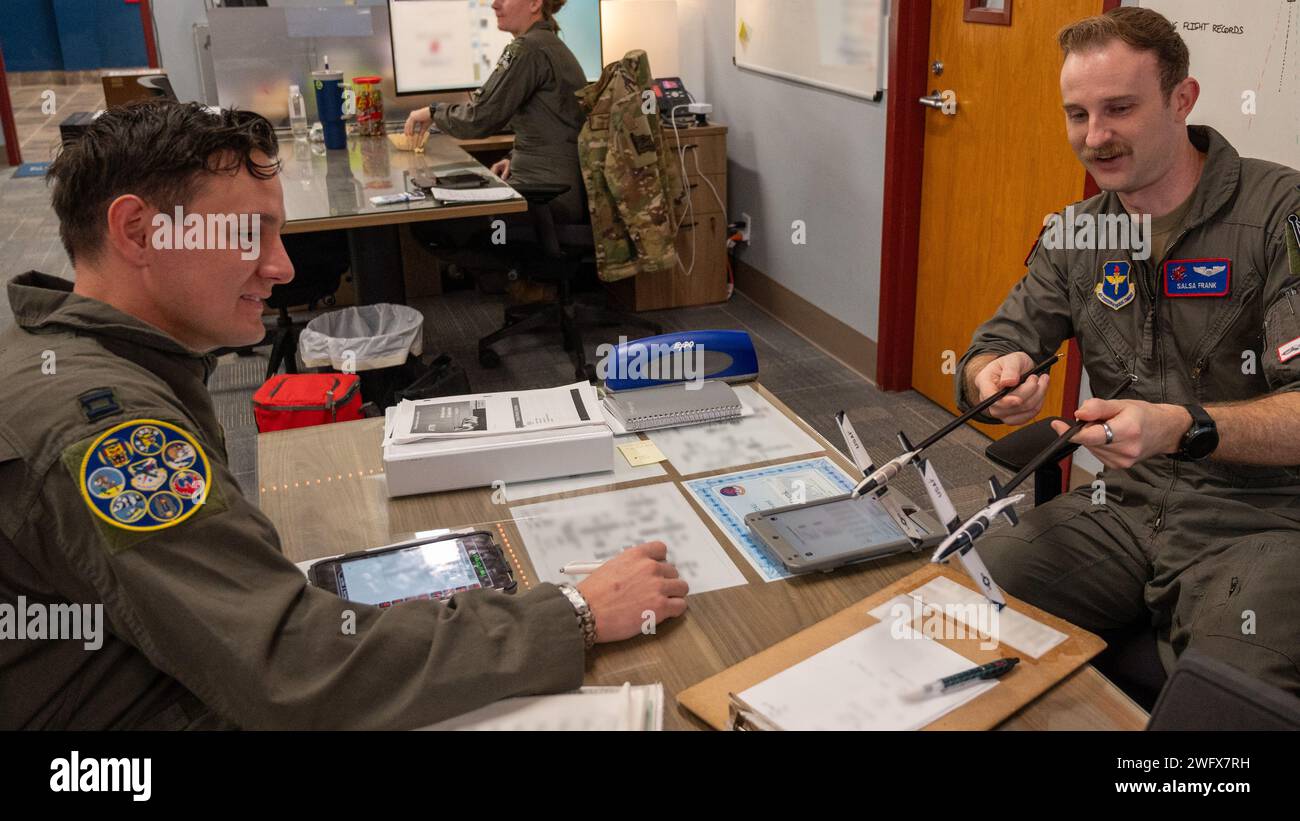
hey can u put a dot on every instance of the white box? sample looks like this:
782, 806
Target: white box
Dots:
477, 461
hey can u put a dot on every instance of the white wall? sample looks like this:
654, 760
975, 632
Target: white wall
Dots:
796, 153
173, 32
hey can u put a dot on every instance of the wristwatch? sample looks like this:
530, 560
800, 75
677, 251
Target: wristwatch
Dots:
1200, 440
586, 621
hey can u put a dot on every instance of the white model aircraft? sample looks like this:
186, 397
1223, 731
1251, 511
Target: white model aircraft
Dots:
858, 453
962, 535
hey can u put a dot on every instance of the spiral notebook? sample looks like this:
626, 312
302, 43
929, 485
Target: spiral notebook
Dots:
670, 406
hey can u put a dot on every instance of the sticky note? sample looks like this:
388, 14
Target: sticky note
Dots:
642, 453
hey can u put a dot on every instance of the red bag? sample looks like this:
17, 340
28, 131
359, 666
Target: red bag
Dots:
302, 400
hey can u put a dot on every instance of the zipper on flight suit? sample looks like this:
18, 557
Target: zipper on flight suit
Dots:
1119, 360
1204, 361
1160, 364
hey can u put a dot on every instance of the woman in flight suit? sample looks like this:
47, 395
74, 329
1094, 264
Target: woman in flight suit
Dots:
532, 90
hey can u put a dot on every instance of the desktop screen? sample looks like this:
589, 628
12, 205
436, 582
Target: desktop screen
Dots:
452, 45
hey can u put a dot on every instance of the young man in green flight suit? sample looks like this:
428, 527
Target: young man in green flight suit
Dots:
115, 488
1199, 532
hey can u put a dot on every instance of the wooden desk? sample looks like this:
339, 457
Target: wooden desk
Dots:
324, 490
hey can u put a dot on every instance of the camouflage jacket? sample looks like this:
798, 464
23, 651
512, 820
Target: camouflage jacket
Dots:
634, 187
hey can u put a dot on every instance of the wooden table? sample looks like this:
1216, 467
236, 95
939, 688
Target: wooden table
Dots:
324, 490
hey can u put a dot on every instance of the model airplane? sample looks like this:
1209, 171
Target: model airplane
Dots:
858, 453
886, 473
962, 535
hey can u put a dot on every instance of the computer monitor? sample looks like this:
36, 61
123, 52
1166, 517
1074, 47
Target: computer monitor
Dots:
453, 45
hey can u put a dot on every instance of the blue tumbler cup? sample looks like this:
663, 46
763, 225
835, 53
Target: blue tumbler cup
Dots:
329, 107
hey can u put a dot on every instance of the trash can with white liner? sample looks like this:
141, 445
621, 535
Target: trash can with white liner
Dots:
380, 343
364, 338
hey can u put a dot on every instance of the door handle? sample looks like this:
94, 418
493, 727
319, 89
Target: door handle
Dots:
936, 100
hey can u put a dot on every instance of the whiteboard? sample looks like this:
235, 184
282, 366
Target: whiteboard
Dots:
1239, 47
832, 44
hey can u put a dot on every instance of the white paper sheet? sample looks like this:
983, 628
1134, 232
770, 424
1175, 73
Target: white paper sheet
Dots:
885, 612
767, 434
495, 194
622, 472
863, 683
625, 708
1033, 638
596, 528
494, 414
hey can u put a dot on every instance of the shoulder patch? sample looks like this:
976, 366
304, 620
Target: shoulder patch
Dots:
508, 56
144, 475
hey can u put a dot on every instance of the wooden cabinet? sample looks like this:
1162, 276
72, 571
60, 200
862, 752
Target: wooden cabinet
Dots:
703, 235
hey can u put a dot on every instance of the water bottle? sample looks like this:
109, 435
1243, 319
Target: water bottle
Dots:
297, 114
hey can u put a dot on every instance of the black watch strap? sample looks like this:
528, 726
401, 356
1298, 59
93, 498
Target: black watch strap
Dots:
1201, 439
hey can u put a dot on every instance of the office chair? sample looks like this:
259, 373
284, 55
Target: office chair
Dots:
558, 254
319, 262
1132, 658
1206, 694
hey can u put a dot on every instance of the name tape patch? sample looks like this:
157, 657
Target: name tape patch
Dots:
1289, 351
1198, 277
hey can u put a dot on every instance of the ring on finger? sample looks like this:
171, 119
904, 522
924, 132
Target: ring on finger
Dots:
1110, 434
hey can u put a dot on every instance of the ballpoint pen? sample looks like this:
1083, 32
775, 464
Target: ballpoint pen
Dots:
580, 568
985, 672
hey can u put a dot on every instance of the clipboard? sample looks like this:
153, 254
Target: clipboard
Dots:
714, 699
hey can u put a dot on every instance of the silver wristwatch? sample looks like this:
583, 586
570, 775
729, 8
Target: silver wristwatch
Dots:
586, 620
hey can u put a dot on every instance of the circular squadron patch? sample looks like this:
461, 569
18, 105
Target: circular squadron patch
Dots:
144, 475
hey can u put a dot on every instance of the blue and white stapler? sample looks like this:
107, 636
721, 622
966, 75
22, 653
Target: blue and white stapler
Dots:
726, 356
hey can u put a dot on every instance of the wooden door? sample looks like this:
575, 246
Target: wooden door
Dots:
992, 171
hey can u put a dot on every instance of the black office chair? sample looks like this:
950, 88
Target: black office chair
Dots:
1131, 659
319, 262
556, 254
1206, 694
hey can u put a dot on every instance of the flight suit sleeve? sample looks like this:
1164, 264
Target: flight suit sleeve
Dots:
212, 602
636, 185
1281, 358
1034, 318
517, 76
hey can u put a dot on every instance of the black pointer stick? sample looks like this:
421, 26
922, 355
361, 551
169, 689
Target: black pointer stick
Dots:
1047, 452
1040, 368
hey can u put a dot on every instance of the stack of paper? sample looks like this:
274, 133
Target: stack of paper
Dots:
478, 441
495, 414
590, 708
